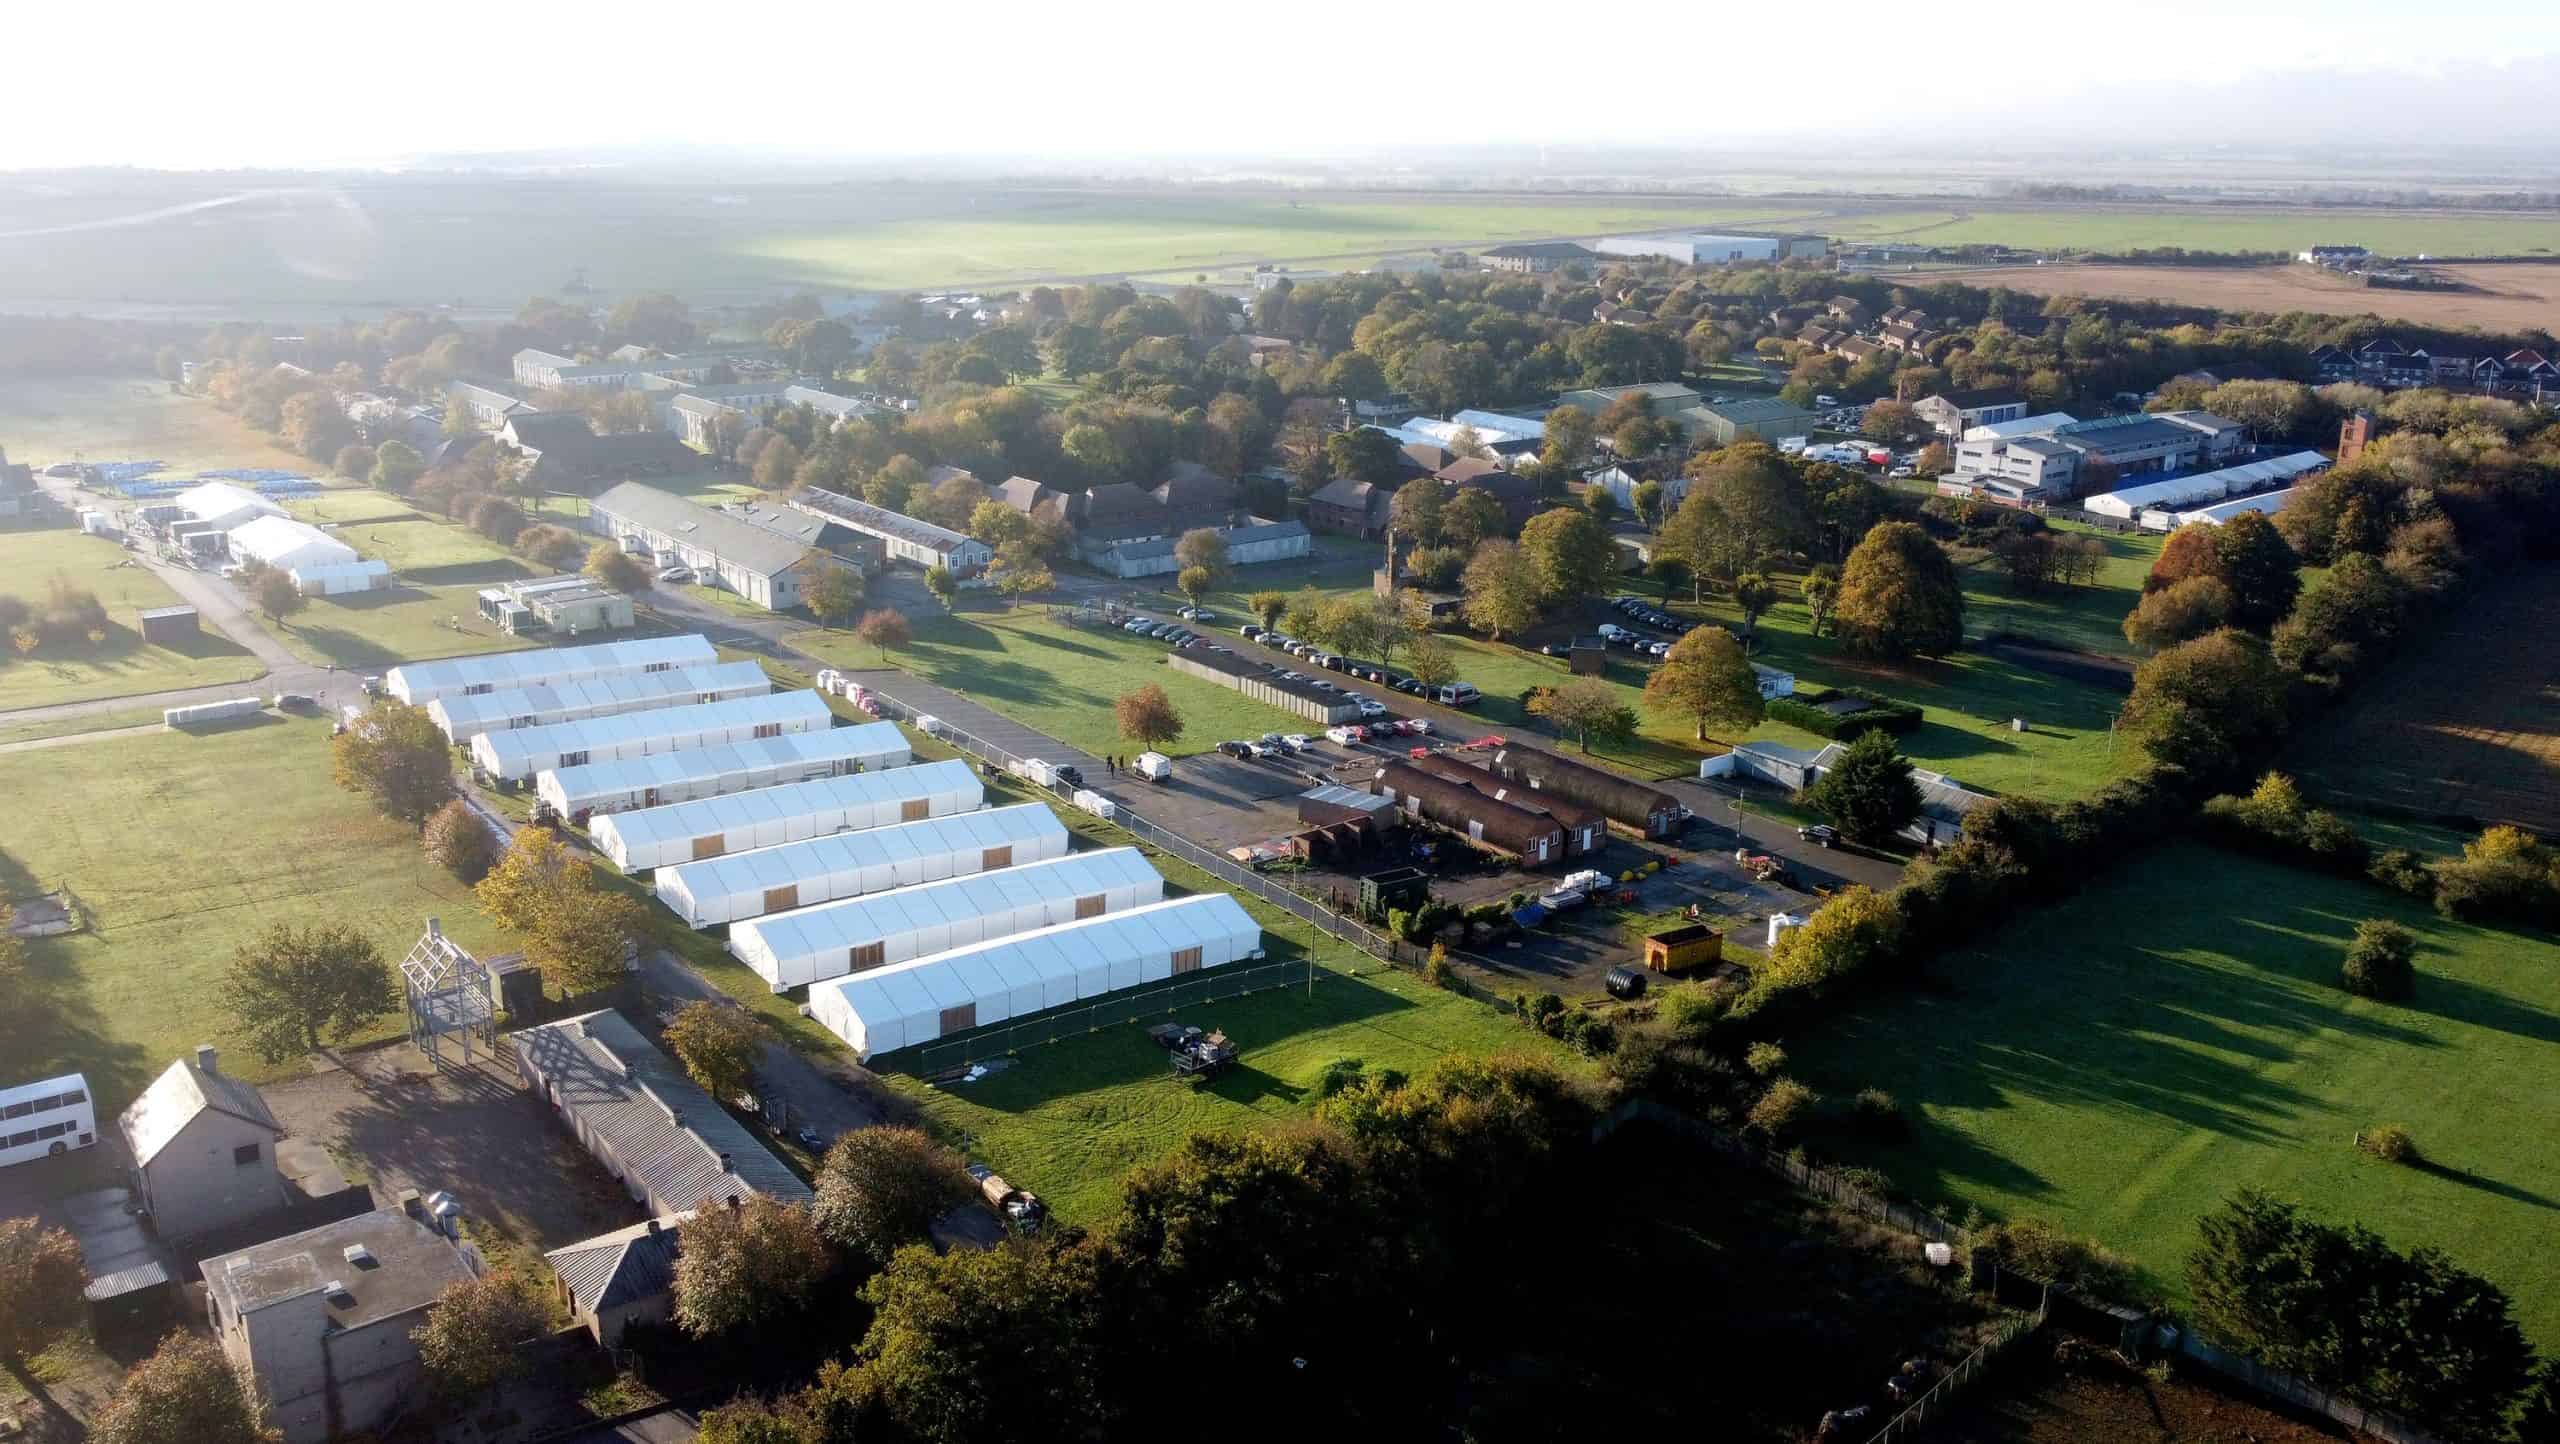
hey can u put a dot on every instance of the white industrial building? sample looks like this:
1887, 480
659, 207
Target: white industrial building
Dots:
288, 545
2266, 503
2186, 491
338, 579
222, 506
464, 718
942, 994
517, 755
853, 864
1701, 248
903, 537
631, 783
727, 550
422, 682
854, 935
712, 826
2036, 425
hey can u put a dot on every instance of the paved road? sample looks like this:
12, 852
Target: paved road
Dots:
834, 1103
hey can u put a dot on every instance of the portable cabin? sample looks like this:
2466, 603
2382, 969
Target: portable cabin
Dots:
714, 826
699, 772
1676, 950
855, 864
1585, 830
1532, 837
1648, 810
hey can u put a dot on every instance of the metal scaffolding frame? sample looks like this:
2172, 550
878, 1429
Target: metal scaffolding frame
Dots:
448, 993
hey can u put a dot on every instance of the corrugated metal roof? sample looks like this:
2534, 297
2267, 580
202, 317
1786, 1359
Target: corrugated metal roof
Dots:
624, 1266
175, 1099
665, 514
660, 1128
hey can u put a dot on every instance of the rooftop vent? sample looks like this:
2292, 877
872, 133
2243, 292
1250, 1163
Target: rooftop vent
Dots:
339, 1296
360, 1256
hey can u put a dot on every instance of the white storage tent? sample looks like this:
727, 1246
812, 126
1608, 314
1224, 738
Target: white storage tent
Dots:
463, 718
335, 580
422, 682
713, 826
811, 944
2186, 491
941, 994
716, 771
854, 864
522, 753
2267, 502
289, 545
222, 506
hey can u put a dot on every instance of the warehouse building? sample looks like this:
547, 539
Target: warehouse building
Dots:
904, 538
1750, 419
420, 683
1305, 699
728, 551
1654, 813
768, 817
633, 783
812, 944
948, 993
1705, 248
464, 718
516, 755
1534, 838
856, 864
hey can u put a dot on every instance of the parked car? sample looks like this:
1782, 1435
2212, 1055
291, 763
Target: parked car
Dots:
1416, 726
1201, 614
1904, 469
1371, 707
1555, 649
1346, 733
1235, 749
1251, 632
1259, 749
1271, 740
676, 574
1136, 624
1071, 776
1297, 741
1820, 834
1457, 694
1658, 649
1413, 686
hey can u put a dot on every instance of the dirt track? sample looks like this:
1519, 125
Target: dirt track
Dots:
2523, 297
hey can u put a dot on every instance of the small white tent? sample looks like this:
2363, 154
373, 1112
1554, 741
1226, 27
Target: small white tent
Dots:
419, 683
942, 994
289, 546
520, 754
463, 718
689, 831
805, 945
855, 864
630, 783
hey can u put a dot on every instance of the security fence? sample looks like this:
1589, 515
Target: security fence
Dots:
1154, 1004
1941, 1394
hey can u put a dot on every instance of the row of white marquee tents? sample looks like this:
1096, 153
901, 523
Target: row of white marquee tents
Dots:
597, 788
463, 718
519, 755
420, 683
852, 935
711, 826
940, 994
853, 864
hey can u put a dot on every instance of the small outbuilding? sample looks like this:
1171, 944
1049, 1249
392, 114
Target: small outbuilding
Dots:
169, 626
1676, 950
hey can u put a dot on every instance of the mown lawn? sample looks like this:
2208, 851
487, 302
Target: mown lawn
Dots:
2122, 1062
183, 846
432, 610
130, 418
123, 664
2079, 616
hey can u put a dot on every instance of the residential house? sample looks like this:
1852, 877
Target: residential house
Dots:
322, 1319
2333, 363
614, 1280
1954, 413
1906, 316
729, 551
1521, 497
1031, 498
1847, 310
1909, 338
1535, 258
204, 1148
1354, 508
2385, 362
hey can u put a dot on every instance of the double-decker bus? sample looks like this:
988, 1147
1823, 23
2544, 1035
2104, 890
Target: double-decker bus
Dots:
53, 1115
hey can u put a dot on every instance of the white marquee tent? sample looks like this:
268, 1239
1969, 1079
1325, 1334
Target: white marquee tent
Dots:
629, 783
806, 945
224, 506
521, 754
2186, 491
690, 831
422, 682
463, 718
289, 545
951, 992
2265, 503
854, 864
339, 578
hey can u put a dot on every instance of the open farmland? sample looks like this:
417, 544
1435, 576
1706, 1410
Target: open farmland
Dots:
123, 665
2121, 1063
2120, 227
2509, 298
129, 418
182, 847
2466, 725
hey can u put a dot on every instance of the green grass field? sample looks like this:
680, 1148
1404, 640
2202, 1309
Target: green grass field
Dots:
129, 418
434, 612
123, 665
2113, 229
2124, 1061
183, 846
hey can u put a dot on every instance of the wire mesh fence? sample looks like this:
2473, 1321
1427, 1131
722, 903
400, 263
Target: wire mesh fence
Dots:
1153, 1004
1935, 1400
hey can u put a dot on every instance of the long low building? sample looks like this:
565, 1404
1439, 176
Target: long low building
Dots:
633, 783
1651, 811
2183, 492
812, 944
2265, 503
947, 993
1535, 838
728, 550
334, 579
768, 817
855, 864
1226, 669
289, 545
464, 718
1584, 827
517, 755
904, 537
420, 683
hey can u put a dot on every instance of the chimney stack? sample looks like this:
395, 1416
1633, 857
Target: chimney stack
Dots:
207, 1058
725, 1165
653, 1228
409, 1204
733, 1201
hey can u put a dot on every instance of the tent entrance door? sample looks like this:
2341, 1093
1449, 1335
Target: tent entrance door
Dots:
708, 846
1186, 960
996, 857
778, 898
865, 956
959, 1019
915, 809
1089, 907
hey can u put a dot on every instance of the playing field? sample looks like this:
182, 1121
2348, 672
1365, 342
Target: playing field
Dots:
2122, 1062
2506, 298
182, 846
123, 665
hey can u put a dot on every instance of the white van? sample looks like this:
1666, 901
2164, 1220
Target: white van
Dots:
1794, 445
1457, 694
1153, 766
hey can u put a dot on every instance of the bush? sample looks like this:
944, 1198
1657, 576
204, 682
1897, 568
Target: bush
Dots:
2390, 1142
1782, 1108
1765, 1059
457, 840
1879, 1113
1689, 1009
2043, 1251
2378, 961
2275, 821
556, 547
2495, 888
1339, 1077
2404, 872
1436, 970
1881, 714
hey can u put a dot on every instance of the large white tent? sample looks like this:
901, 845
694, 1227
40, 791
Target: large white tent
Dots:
288, 545
223, 506
630, 783
520, 754
853, 864
338, 578
807, 945
2186, 491
2266, 503
951, 992
422, 682
463, 718
689, 831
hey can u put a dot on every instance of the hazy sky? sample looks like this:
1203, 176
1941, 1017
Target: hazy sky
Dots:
291, 83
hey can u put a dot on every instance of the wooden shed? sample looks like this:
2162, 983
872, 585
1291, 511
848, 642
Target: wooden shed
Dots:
168, 626
1677, 950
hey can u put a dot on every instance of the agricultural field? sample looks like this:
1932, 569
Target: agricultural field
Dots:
2116, 229
2467, 724
2120, 1064
2506, 299
123, 665
129, 418
182, 846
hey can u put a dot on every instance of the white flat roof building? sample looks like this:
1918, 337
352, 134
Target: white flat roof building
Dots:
517, 755
855, 864
713, 826
632, 783
422, 682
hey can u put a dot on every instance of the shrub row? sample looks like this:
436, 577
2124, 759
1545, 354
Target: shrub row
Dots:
1881, 714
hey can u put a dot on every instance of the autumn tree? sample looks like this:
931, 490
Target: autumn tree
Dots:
475, 1334
185, 1391
395, 754
1899, 596
719, 1045
274, 594
1415, 509
1204, 548
41, 1279
832, 592
1869, 792
2211, 706
2188, 552
880, 1189
1267, 606
943, 583
1428, 659
1471, 516
1194, 583
575, 931
995, 523
1147, 717
1570, 430
1759, 495
746, 1263
1707, 680
354, 461
2181, 612
1820, 589
289, 986
1502, 590
885, 629
776, 465
459, 841
1586, 707
613, 567
1646, 501
2260, 567
1753, 594
396, 467
1571, 554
